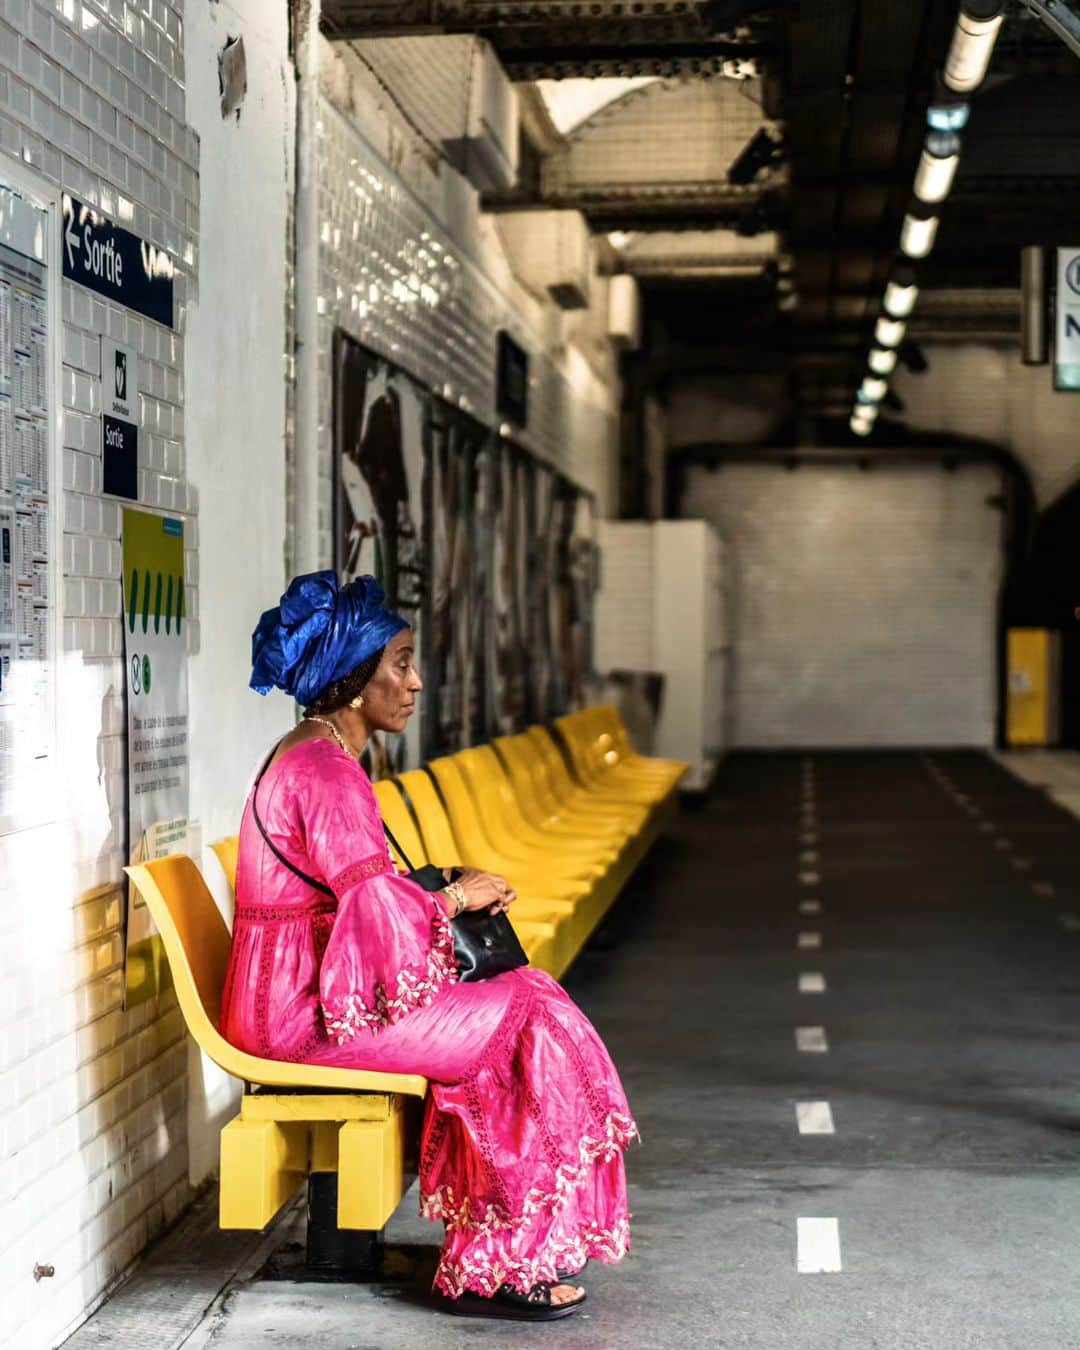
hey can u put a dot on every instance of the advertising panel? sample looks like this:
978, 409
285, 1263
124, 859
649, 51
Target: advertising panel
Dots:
155, 648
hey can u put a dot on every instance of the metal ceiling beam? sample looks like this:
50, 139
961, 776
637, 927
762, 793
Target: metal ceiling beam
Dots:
1059, 18
540, 39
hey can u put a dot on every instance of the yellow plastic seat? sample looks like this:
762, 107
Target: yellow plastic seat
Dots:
634, 815
600, 775
495, 795
353, 1121
504, 856
528, 775
537, 925
613, 741
227, 851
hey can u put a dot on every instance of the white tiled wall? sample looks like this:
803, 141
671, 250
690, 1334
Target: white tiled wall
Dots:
412, 269
93, 1156
978, 390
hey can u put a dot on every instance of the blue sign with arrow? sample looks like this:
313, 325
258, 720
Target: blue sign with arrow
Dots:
116, 263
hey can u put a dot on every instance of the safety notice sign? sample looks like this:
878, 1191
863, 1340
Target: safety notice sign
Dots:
1067, 321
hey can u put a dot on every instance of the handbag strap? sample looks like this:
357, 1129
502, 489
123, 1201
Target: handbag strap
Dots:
397, 847
296, 871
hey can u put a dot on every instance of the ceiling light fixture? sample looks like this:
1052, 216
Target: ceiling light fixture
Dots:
872, 389
901, 293
937, 166
919, 231
881, 361
860, 426
947, 111
972, 45
889, 332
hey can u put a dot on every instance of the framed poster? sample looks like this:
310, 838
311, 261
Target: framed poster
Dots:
380, 431
508, 651
457, 514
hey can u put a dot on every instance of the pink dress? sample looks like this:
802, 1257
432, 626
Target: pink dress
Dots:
526, 1120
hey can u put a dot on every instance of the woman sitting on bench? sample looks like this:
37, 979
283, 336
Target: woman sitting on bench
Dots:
336, 959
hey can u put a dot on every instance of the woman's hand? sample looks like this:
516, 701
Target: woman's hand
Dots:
484, 890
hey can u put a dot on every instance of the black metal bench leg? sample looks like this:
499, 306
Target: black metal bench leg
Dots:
347, 1253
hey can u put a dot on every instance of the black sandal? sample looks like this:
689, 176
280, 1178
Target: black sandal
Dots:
507, 1303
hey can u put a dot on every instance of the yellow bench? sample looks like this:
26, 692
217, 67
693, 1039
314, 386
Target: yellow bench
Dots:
296, 1121
568, 845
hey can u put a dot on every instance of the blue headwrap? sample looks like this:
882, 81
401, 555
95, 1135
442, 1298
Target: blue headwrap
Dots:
320, 632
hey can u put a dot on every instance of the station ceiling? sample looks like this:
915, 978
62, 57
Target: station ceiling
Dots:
823, 104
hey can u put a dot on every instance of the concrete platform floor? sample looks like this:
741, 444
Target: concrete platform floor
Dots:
937, 898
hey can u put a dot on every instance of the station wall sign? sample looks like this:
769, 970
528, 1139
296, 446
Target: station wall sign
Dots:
511, 380
1067, 321
119, 380
120, 457
116, 263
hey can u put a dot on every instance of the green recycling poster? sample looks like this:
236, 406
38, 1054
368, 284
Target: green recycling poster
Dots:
155, 648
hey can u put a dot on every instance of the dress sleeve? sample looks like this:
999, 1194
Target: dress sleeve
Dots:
391, 947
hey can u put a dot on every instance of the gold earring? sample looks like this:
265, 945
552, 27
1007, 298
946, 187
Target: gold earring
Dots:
357, 702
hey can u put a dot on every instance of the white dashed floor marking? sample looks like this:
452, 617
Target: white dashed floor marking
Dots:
809, 878
809, 906
808, 855
1020, 864
811, 982
987, 827
818, 1247
809, 939
1003, 844
814, 1118
1070, 922
1045, 888
811, 1040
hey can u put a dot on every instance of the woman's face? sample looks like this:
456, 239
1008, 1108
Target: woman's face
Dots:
390, 696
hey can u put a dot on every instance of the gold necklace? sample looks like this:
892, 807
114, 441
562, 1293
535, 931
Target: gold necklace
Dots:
325, 722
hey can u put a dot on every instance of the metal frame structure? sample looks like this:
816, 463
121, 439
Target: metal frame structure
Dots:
1059, 18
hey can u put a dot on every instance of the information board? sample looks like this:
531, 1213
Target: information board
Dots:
26, 657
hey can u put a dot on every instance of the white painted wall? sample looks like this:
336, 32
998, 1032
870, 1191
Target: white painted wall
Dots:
863, 604
234, 369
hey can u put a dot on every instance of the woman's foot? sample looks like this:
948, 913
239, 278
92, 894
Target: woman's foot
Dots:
543, 1303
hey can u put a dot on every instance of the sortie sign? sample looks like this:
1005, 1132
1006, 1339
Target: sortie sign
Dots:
116, 263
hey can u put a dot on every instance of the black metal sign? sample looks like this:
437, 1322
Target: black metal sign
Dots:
116, 263
120, 457
511, 380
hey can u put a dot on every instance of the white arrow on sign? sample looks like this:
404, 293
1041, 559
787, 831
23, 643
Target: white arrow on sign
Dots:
71, 237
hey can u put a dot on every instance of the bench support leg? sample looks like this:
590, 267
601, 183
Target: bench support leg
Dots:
348, 1253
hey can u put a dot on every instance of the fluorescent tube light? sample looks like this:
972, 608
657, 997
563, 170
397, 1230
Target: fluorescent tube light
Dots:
937, 166
881, 361
918, 234
972, 45
900, 299
889, 332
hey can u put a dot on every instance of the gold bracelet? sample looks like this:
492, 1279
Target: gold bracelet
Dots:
456, 892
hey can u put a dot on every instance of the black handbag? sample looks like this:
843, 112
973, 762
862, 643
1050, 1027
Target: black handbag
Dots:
484, 944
